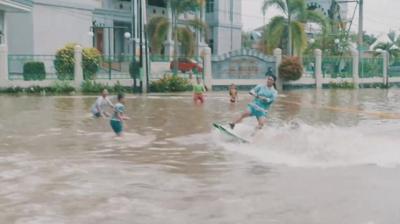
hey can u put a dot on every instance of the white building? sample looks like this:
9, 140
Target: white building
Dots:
51, 24
7, 8
328, 6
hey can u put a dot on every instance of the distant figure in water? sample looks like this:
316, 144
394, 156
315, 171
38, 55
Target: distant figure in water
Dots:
118, 117
264, 96
233, 93
198, 91
101, 104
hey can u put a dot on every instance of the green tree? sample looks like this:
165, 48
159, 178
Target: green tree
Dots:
246, 40
158, 27
290, 25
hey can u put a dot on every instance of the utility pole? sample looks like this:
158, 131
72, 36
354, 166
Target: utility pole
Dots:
360, 26
360, 34
134, 63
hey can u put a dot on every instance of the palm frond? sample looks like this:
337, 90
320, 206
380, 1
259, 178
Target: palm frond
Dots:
280, 4
186, 38
299, 36
273, 35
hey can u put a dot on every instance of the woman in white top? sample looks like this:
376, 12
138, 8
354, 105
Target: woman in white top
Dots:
101, 104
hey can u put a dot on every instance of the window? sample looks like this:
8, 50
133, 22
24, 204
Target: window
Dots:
158, 3
210, 6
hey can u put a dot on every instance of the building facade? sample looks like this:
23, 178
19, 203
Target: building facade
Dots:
50, 24
338, 9
8, 7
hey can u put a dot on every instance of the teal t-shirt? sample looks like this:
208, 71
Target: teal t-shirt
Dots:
264, 91
118, 108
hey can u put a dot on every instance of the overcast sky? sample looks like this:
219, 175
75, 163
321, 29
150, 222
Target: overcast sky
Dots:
380, 15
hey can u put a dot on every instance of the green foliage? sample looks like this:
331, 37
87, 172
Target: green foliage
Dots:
341, 85
290, 69
170, 84
90, 62
61, 87
289, 27
134, 69
158, 27
34, 71
58, 87
64, 62
246, 40
90, 86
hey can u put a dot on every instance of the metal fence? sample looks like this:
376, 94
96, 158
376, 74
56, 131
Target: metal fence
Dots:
115, 67
309, 66
16, 65
371, 67
337, 66
394, 68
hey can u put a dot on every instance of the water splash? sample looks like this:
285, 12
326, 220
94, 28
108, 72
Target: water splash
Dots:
301, 145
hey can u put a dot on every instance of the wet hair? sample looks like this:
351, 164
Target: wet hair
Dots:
120, 96
274, 78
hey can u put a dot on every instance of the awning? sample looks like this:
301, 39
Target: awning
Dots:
15, 5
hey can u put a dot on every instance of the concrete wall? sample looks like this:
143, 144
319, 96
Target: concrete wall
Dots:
2, 32
20, 33
226, 26
52, 34
50, 25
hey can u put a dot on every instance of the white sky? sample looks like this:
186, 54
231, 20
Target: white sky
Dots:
380, 15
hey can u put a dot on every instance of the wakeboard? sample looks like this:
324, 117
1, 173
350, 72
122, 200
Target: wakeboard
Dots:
229, 133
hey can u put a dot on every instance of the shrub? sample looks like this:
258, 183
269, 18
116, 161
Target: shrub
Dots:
64, 62
57, 87
61, 87
90, 86
290, 69
170, 84
34, 71
341, 85
90, 62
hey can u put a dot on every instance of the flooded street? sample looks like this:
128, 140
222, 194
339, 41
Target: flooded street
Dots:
326, 157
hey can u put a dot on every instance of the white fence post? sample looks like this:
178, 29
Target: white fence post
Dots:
278, 60
356, 62
385, 57
3, 64
318, 68
78, 70
208, 80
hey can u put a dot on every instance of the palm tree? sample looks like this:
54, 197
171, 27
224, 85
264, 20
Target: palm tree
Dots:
158, 27
390, 47
290, 24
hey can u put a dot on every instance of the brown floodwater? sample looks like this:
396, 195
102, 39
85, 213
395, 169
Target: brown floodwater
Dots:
329, 156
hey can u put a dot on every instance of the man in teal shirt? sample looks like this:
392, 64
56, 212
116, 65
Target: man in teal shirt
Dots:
264, 96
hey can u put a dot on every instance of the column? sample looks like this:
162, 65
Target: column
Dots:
208, 80
169, 43
3, 64
318, 68
201, 44
385, 57
278, 60
356, 76
78, 70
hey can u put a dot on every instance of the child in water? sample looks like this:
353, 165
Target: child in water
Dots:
102, 102
233, 93
118, 116
198, 91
